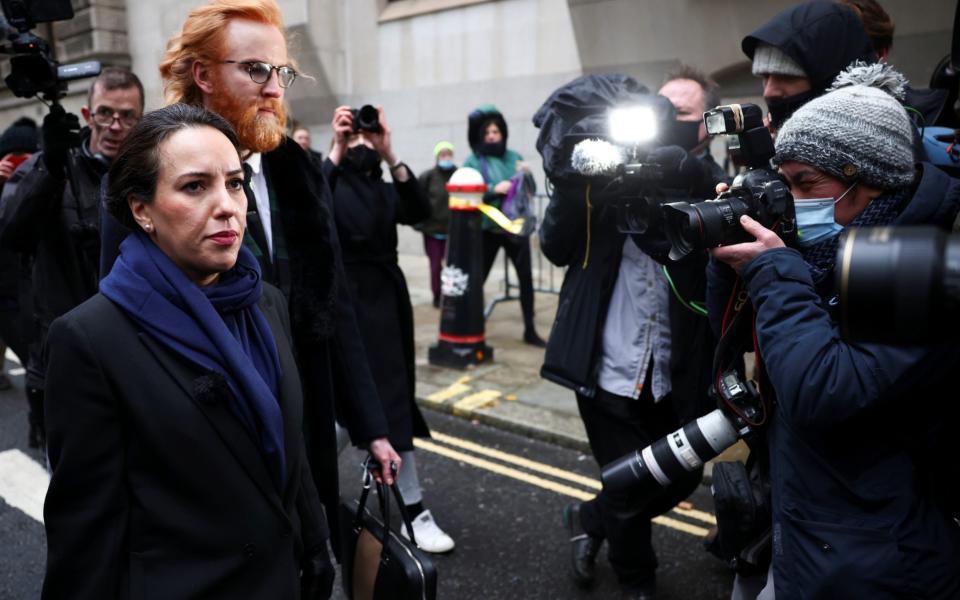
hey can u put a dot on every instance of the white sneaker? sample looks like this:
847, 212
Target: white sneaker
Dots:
430, 538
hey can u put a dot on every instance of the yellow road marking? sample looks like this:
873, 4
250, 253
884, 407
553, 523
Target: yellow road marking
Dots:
476, 400
454, 389
680, 526
499, 469
552, 471
540, 482
696, 514
517, 460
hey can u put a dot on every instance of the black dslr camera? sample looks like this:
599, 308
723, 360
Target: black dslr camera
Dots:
759, 193
33, 70
907, 278
366, 118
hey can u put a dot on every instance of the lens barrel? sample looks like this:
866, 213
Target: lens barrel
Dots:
366, 118
701, 225
670, 457
898, 284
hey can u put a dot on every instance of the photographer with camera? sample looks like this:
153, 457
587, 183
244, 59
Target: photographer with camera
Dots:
367, 211
626, 339
799, 51
50, 206
853, 511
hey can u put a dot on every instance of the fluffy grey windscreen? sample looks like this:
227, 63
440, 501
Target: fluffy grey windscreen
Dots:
596, 157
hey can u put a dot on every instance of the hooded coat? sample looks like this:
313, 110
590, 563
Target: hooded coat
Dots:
859, 435
495, 167
823, 37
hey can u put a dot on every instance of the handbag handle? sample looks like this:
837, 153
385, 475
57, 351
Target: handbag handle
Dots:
384, 501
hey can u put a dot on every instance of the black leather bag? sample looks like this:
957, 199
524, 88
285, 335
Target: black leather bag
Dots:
378, 563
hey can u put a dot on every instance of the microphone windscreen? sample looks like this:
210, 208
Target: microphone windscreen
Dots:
596, 158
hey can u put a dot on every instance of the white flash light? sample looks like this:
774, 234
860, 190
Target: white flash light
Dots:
633, 124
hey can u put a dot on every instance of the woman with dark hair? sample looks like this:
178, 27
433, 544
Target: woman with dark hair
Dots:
173, 402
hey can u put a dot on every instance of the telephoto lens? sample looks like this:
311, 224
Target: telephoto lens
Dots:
898, 285
670, 457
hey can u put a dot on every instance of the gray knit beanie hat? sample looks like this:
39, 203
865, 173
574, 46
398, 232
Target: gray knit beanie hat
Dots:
857, 131
770, 60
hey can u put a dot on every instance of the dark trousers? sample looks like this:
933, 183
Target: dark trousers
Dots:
517, 249
435, 250
615, 426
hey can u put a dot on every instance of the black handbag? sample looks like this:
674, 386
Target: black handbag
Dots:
377, 562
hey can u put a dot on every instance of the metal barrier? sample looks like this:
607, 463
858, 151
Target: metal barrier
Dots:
547, 278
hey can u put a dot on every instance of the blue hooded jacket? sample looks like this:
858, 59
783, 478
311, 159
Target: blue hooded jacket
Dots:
850, 440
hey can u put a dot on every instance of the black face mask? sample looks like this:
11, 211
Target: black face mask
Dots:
782, 109
498, 149
685, 134
363, 158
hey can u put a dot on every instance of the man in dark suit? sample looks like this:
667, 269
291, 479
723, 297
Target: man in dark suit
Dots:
241, 71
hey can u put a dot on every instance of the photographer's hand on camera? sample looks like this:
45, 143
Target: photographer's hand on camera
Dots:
61, 132
342, 128
739, 255
383, 144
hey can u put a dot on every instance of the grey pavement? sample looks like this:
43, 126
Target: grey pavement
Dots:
508, 392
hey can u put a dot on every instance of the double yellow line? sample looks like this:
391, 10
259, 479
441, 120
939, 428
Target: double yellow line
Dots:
536, 473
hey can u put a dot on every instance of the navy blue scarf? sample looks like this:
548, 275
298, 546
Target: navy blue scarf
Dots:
218, 327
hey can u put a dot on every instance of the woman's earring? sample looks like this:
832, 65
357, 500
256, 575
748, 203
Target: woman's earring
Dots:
147, 227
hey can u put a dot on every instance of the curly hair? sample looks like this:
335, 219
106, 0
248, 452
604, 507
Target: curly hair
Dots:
202, 39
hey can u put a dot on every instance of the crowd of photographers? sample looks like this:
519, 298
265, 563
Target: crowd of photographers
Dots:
846, 492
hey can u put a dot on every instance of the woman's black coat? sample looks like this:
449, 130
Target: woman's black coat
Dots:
157, 490
367, 211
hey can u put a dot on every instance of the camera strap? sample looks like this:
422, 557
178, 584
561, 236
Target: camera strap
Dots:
737, 336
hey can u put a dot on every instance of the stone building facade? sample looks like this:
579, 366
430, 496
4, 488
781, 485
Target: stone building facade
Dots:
430, 62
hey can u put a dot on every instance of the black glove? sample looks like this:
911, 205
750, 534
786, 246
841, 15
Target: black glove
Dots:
682, 171
316, 574
61, 132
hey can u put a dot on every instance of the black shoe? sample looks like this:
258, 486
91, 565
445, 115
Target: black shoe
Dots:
583, 547
530, 337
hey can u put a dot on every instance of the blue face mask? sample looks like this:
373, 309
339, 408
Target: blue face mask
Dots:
446, 164
816, 221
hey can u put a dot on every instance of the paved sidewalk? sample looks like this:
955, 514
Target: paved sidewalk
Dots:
508, 392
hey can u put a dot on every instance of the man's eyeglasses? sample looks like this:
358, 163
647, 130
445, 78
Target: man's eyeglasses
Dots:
260, 72
104, 116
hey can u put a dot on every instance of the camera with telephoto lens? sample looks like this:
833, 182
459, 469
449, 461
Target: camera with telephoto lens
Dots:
688, 448
33, 70
366, 118
899, 285
759, 192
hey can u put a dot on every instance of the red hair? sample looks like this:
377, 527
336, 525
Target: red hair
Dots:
202, 39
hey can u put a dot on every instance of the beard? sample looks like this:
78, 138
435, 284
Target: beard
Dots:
255, 132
